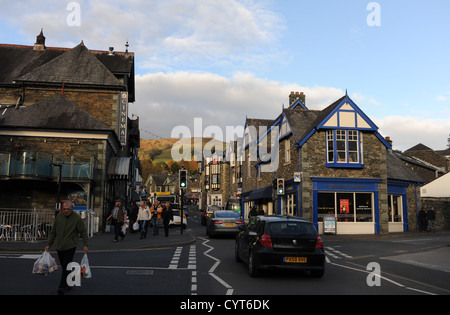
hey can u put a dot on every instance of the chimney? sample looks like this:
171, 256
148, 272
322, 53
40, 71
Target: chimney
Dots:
388, 140
40, 41
297, 96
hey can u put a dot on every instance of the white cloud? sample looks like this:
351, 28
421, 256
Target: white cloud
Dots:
163, 34
166, 100
407, 131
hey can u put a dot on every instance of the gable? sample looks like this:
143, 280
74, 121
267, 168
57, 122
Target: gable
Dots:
347, 115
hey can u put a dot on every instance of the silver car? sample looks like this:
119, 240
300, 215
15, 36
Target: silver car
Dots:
224, 222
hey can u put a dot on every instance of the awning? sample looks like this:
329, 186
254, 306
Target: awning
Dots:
263, 193
439, 188
119, 167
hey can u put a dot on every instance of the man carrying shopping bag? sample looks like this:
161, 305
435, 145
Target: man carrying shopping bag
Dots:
66, 230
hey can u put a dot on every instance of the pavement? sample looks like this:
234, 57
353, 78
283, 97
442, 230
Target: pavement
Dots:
104, 242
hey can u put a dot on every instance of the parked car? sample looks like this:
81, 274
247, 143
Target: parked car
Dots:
280, 241
224, 222
208, 212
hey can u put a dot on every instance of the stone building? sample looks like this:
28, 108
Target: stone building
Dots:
333, 163
64, 127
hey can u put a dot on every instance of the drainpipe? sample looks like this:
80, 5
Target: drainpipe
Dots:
299, 185
417, 208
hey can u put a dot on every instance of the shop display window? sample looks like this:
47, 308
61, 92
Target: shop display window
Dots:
346, 207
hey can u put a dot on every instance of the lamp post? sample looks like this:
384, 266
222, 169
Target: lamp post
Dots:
59, 166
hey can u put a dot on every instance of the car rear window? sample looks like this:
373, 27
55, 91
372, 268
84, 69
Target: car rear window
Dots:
287, 228
227, 215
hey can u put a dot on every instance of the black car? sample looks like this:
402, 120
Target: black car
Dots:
280, 241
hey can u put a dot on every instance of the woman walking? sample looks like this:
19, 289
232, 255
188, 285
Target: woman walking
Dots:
143, 218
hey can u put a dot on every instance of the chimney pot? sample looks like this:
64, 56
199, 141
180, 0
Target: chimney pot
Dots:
40, 41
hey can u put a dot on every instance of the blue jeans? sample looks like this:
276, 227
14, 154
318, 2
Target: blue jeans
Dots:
156, 226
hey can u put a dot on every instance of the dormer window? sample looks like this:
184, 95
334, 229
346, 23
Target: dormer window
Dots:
344, 148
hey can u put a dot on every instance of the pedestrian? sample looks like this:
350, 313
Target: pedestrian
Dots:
133, 214
143, 218
260, 211
118, 215
167, 216
156, 210
66, 230
431, 216
252, 213
422, 220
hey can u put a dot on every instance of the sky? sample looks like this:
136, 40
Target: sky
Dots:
220, 61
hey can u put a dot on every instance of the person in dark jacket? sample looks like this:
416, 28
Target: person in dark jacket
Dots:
431, 216
119, 218
422, 220
167, 216
66, 231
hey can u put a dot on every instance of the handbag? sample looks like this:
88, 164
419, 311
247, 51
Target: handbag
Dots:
45, 264
85, 269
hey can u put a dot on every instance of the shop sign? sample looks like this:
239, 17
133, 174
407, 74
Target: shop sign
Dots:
123, 117
329, 225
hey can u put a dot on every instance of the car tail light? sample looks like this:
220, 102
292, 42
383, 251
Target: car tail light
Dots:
217, 221
319, 242
240, 222
266, 240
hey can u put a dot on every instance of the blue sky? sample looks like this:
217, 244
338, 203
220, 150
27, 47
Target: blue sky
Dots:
223, 60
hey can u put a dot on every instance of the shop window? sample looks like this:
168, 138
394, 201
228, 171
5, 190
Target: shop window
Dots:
325, 204
395, 208
363, 207
345, 203
347, 207
344, 148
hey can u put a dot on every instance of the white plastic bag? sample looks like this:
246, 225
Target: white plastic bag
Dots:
136, 226
45, 264
85, 268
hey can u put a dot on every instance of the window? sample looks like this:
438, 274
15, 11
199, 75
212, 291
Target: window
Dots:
287, 151
290, 207
347, 207
344, 148
395, 208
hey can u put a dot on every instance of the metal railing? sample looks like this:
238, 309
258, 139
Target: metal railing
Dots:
30, 225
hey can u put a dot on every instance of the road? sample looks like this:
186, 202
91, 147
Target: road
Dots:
407, 266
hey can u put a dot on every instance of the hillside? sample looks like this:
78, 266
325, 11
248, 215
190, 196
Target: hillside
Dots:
156, 156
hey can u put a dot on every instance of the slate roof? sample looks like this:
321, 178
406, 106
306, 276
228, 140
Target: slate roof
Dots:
397, 170
24, 64
75, 66
55, 113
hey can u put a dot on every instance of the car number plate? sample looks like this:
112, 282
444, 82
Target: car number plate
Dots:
301, 260
229, 224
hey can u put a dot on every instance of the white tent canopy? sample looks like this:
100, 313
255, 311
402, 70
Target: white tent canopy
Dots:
439, 188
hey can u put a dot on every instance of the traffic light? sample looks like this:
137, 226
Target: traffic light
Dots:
280, 186
183, 178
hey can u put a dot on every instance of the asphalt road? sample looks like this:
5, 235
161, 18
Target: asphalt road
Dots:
399, 266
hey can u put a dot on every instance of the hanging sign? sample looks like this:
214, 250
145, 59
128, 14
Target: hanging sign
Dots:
123, 117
